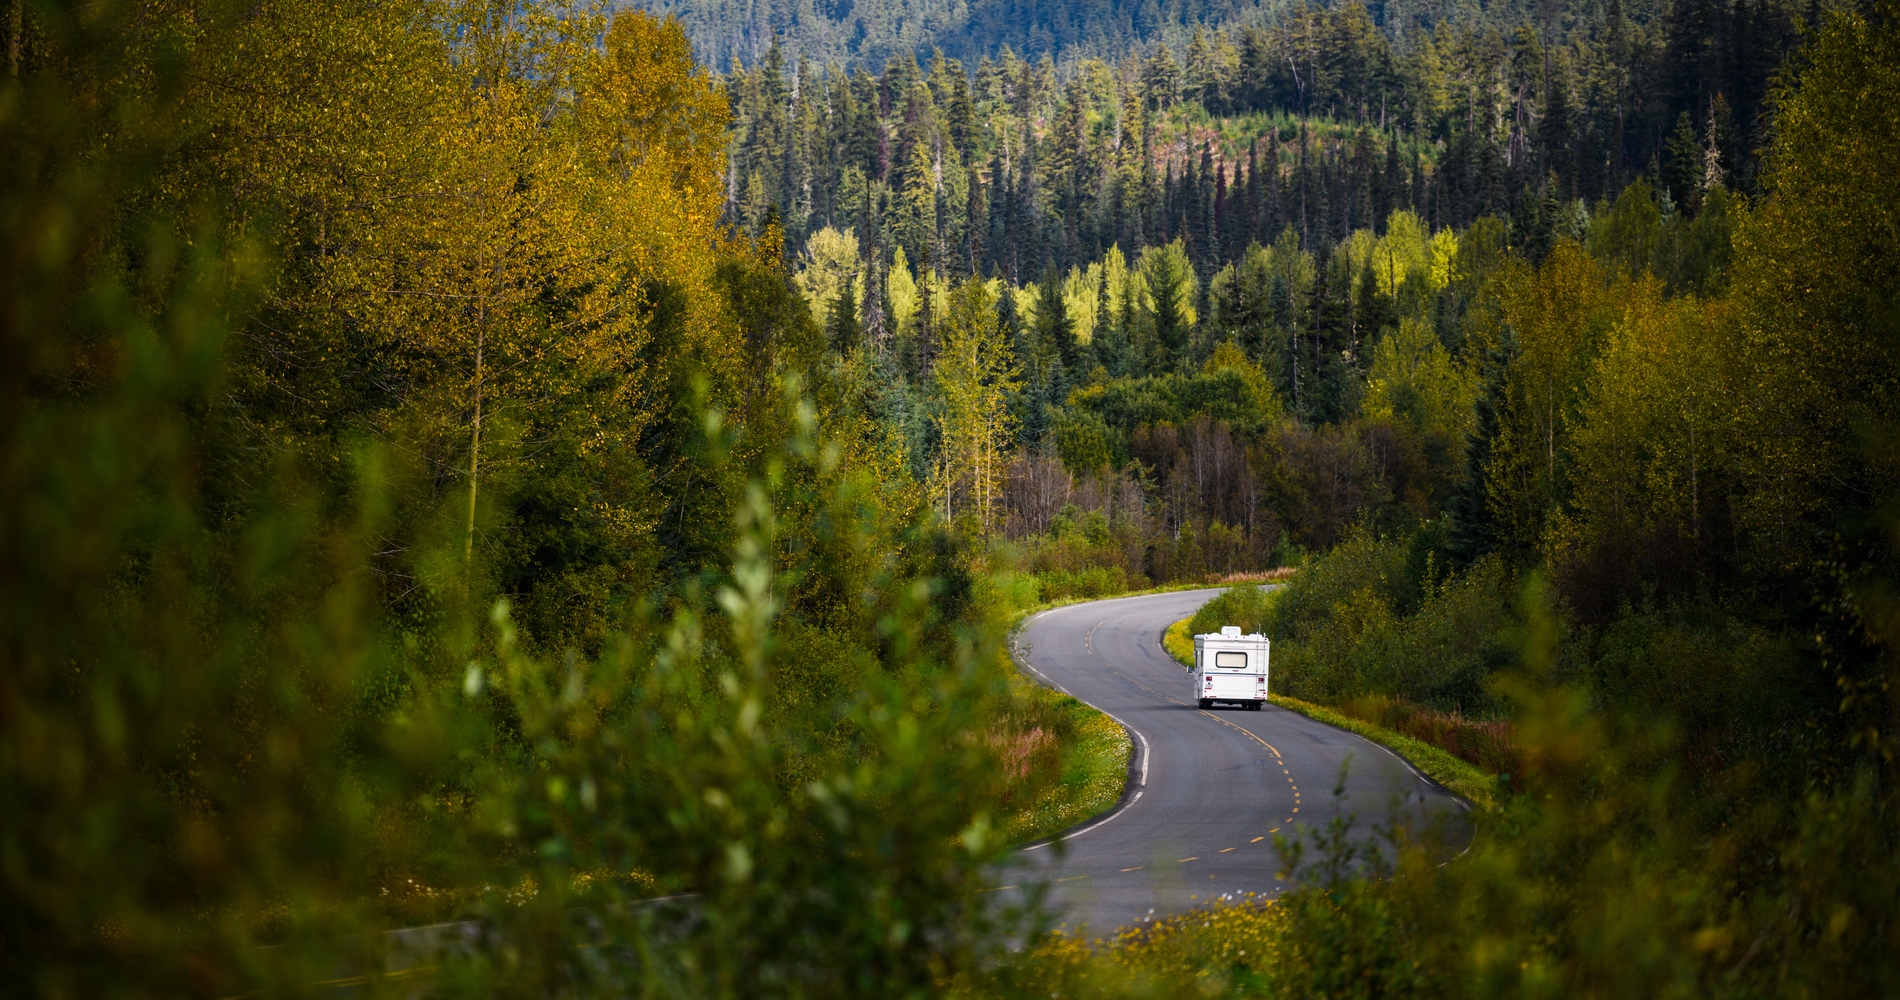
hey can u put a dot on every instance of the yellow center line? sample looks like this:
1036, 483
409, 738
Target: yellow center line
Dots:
1134, 869
999, 888
1224, 850
1258, 839
1230, 725
1071, 878
1186, 860
1274, 830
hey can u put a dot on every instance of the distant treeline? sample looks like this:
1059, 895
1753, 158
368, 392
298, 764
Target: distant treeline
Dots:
1320, 121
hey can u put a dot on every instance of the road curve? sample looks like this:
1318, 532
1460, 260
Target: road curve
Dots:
1209, 788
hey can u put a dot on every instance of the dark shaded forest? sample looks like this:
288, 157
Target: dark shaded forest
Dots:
1320, 121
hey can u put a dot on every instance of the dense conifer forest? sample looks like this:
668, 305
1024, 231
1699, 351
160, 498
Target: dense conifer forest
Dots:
566, 477
1295, 191
1321, 120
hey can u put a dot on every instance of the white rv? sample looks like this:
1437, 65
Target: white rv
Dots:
1230, 667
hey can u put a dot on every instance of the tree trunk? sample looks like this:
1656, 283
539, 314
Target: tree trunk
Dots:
475, 447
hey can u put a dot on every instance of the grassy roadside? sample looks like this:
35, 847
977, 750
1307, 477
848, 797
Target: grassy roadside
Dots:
1090, 750
1225, 948
1460, 777
1023, 616
1179, 643
1091, 754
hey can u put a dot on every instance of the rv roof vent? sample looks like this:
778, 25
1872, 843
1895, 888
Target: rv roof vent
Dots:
1230, 630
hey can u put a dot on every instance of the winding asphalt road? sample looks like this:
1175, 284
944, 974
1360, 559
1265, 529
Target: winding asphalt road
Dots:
1208, 789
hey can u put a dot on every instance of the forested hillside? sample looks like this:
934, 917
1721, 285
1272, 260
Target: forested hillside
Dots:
843, 31
1319, 121
1295, 191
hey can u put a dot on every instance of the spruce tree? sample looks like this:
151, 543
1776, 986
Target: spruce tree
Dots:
1272, 210
841, 326
864, 128
1372, 313
1327, 393
1206, 243
1034, 245
1473, 531
1001, 200
1251, 223
917, 211
1550, 221
1285, 368
1053, 326
1168, 282
976, 225
1554, 134
1682, 164
963, 127
1392, 194
1362, 181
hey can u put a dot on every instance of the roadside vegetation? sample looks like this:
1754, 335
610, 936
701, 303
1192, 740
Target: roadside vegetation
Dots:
1083, 756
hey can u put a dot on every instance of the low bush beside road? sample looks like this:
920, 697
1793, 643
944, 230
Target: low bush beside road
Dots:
1069, 760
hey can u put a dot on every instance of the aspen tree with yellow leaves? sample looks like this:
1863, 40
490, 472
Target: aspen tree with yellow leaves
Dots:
1652, 445
1560, 316
974, 373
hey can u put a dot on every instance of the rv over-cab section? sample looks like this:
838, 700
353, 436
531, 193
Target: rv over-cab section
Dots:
1231, 669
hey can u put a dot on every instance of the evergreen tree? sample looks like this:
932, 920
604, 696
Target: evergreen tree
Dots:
1160, 80
841, 326
1473, 532
1030, 246
864, 122
916, 222
1391, 193
1170, 279
962, 117
1001, 246
1328, 395
1285, 366
1053, 325
1372, 312
1683, 164
1555, 133
976, 225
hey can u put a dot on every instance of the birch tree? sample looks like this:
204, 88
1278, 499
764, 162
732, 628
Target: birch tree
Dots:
973, 377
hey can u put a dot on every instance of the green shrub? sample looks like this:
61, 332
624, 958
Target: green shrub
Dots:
1096, 581
1246, 606
1342, 630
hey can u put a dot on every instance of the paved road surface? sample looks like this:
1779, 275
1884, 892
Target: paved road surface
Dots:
1212, 787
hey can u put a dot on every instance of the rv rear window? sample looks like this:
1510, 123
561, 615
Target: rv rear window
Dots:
1234, 660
